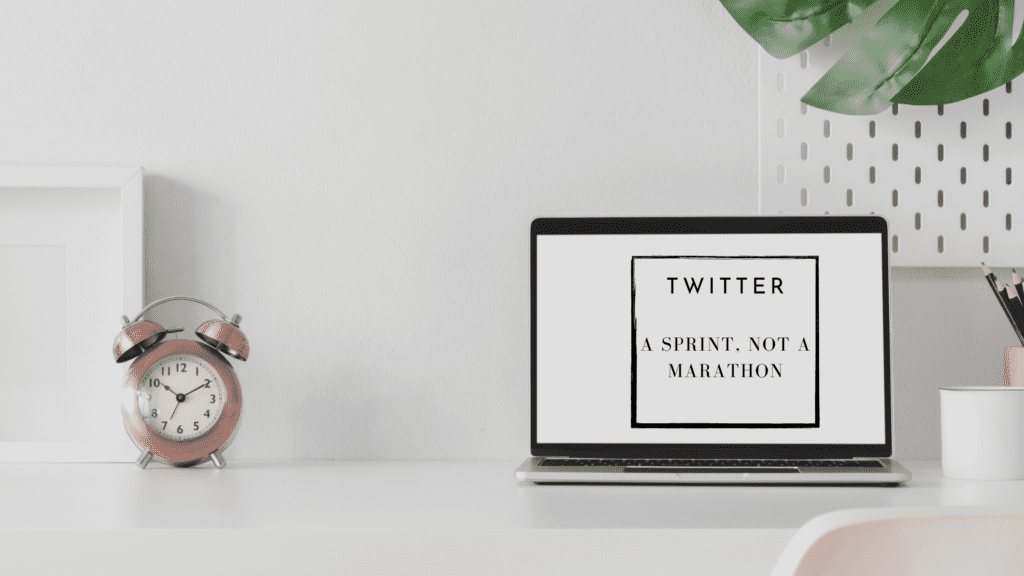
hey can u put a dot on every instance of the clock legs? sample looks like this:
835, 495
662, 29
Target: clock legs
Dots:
217, 459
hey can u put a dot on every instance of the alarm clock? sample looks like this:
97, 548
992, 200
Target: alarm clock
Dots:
181, 400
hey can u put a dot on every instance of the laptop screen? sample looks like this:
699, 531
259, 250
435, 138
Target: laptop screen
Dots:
762, 335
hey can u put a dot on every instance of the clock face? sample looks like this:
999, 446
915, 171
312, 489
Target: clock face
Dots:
180, 397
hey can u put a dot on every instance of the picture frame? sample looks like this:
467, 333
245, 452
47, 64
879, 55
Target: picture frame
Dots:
71, 255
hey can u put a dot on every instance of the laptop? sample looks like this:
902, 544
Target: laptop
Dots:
704, 350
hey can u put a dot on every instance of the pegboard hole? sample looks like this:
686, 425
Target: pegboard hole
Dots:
849, 196
803, 150
984, 244
963, 129
1009, 221
895, 108
963, 175
942, 245
895, 197
781, 174
871, 174
984, 107
1009, 87
803, 59
828, 128
803, 108
849, 151
917, 221
1009, 130
895, 152
828, 174
781, 130
941, 199
895, 243
1009, 175
941, 110
781, 82
917, 129
871, 128
984, 153
963, 221
942, 152
917, 175
984, 198
803, 196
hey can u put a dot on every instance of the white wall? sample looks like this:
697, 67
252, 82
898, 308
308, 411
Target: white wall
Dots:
357, 180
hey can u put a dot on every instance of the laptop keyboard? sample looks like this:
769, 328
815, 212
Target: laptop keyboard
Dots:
663, 462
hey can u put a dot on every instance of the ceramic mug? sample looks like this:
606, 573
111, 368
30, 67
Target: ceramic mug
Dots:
982, 432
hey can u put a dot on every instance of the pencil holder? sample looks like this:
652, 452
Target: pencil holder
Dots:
1013, 366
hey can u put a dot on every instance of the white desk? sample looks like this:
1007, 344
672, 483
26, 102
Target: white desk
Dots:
412, 518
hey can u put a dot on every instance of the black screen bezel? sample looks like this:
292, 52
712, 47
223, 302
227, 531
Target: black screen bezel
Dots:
711, 225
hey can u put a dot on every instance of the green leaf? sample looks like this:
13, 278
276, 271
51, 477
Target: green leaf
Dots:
892, 53
953, 73
942, 81
786, 27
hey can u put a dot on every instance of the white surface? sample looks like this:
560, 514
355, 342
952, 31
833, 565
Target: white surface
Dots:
357, 179
34, 299
796, 152
912, 541
81, 229
417, 518
983, 432
365, 173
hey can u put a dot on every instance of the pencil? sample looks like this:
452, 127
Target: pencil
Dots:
1002, 302
1018, 304
1007, 297
1014, 304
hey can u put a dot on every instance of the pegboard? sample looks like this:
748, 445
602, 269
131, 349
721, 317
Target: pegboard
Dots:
948, 179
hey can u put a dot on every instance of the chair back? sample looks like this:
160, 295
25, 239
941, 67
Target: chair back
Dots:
932, 541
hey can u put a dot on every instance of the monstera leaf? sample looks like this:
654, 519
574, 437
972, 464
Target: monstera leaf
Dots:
919, 52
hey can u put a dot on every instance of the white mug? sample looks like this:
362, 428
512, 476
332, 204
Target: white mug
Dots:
982, 432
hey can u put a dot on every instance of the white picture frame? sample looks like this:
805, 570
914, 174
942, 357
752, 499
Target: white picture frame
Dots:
71, 254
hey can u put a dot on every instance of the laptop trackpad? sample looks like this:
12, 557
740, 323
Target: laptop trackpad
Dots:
706, 470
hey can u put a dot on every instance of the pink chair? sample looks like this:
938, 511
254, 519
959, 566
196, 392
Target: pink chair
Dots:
932, 541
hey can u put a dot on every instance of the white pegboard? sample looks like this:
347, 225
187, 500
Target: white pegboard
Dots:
956, 207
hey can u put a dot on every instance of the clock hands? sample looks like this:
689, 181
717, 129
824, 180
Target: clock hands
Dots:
194, 389
180, 397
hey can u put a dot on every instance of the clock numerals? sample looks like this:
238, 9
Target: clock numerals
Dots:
172, 391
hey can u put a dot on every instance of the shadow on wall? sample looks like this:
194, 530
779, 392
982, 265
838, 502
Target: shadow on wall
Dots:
947, 330
190, 246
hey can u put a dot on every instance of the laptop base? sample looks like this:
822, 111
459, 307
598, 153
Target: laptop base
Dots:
890, 473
